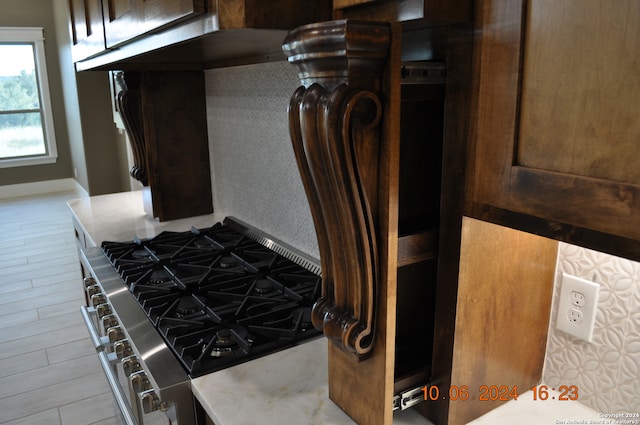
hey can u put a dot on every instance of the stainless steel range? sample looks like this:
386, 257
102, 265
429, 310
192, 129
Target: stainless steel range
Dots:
183, 304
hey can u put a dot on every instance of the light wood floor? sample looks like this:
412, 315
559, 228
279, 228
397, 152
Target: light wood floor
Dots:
49, 371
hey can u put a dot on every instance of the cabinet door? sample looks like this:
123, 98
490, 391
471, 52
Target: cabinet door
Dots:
556, 128
340, 4
424, 13
154, 14
86, 27
120, 20
125, 19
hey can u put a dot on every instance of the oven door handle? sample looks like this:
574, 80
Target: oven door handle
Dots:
98, 344
105, 362
120, 398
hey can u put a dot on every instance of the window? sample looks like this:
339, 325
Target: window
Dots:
27, 136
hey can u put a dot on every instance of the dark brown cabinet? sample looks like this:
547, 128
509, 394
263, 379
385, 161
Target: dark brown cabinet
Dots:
154, 14
99, 25
120, 21
191, 34
341, 4
556, 131
87, 30
418, 12
126, 19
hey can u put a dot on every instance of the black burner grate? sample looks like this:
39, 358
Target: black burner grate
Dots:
216, 296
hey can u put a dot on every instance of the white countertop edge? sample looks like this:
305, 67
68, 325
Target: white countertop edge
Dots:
120, 217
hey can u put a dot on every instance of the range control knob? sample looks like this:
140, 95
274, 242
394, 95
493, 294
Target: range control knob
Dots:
89, 281
130, 365
98, 299
139, 382
109, 321
151, 402
115, 334
103, 310
122, 349
93, 290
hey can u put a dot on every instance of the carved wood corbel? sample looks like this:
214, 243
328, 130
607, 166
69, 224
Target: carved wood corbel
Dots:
334, 124
129, 107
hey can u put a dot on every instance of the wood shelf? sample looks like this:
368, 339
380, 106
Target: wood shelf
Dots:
417, 248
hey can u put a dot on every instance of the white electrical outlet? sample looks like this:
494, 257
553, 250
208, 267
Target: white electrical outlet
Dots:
575, 316
577, 299
577, 306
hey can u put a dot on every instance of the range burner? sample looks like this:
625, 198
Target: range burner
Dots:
216, 296
159, 277
186, 307
227, 262
263, 287
228, 341
141, 254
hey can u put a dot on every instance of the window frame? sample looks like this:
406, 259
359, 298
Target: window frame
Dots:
34, 36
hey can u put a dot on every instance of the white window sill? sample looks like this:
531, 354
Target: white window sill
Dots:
24, 162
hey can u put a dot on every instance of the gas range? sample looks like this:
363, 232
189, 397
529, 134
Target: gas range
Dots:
216, 296
184, 304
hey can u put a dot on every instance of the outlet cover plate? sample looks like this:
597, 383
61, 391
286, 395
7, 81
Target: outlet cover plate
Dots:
567, 309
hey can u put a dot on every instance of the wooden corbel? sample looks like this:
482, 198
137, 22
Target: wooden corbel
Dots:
130, 109
334, 122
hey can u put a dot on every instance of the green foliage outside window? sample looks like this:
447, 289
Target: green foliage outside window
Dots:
19, 93
27, 136
21, 124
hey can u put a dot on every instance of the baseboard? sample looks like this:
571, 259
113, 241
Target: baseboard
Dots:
39, 188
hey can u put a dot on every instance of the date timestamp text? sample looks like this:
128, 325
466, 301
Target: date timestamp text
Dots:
499, 393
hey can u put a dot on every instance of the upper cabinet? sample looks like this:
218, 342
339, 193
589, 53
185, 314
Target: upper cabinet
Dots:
184, 34
125, 19
418, 12
98, 25
120, 21
87, 30
153, 14
556, 126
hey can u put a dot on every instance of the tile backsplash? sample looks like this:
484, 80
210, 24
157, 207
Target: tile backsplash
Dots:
253, 168
607, 370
